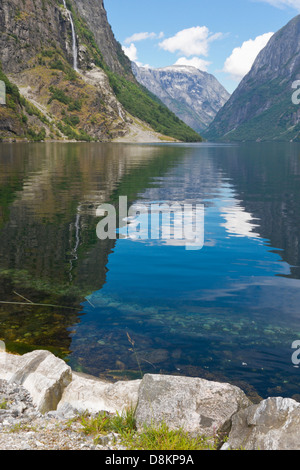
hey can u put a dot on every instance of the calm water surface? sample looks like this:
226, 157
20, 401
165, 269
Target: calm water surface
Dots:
228, 312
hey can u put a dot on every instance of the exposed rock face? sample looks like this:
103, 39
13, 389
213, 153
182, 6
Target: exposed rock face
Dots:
88, 393
54, 386
94, 13
44, 376
9, 122
23, 33
29, 26
261, 107
274, 424
199, 406
35, 50
194, 96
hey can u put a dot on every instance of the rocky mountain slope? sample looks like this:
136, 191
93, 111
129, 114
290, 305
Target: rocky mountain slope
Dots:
94, 15
261, 108
194, 96
98, 99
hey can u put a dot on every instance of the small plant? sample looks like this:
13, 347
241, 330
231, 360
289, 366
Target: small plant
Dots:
57, 64
71, 120
3, 405
104, 423
75, 106
59, 95
132, 342
152, 438
18, 427
163, 438
36, 136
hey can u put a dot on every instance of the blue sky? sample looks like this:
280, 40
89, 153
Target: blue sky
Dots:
222, 37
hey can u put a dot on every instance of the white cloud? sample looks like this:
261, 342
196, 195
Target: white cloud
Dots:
145, 66
190, 42
140, 37
284, 3
239, 63
131, 52
200, 64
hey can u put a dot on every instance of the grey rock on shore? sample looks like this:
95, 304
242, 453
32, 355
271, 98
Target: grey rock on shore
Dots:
39, 394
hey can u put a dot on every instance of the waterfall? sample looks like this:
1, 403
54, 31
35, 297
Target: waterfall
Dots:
74, 44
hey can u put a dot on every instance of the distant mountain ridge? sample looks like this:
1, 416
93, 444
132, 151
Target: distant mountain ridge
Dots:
193, 95
261, 107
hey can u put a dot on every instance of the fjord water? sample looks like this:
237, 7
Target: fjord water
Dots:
227, 312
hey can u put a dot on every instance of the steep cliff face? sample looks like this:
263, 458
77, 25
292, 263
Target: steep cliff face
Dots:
194, 96
261, 107
26, 27
95, 16
36, 54
95, 100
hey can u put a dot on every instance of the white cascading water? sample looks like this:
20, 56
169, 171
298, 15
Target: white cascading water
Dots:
74, 44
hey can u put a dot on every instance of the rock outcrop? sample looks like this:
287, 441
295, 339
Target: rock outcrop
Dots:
273, 424
94, 13
23, 33
53, 385
88, 393
44, 376
196, 405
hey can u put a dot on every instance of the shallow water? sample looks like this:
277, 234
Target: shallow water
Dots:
229, 311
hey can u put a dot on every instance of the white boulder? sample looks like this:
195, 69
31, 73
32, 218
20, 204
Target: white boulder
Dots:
198, 406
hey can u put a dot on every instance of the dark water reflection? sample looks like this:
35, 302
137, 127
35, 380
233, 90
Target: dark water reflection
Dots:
228, 312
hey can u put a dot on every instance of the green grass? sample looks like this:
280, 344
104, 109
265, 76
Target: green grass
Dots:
58, 95
104, 423
35, 136
151, 438
163, 438
3, 405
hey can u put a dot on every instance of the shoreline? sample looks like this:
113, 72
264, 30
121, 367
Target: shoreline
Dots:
199, 407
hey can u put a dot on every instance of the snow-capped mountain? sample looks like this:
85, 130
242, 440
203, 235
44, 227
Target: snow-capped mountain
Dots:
193, 95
